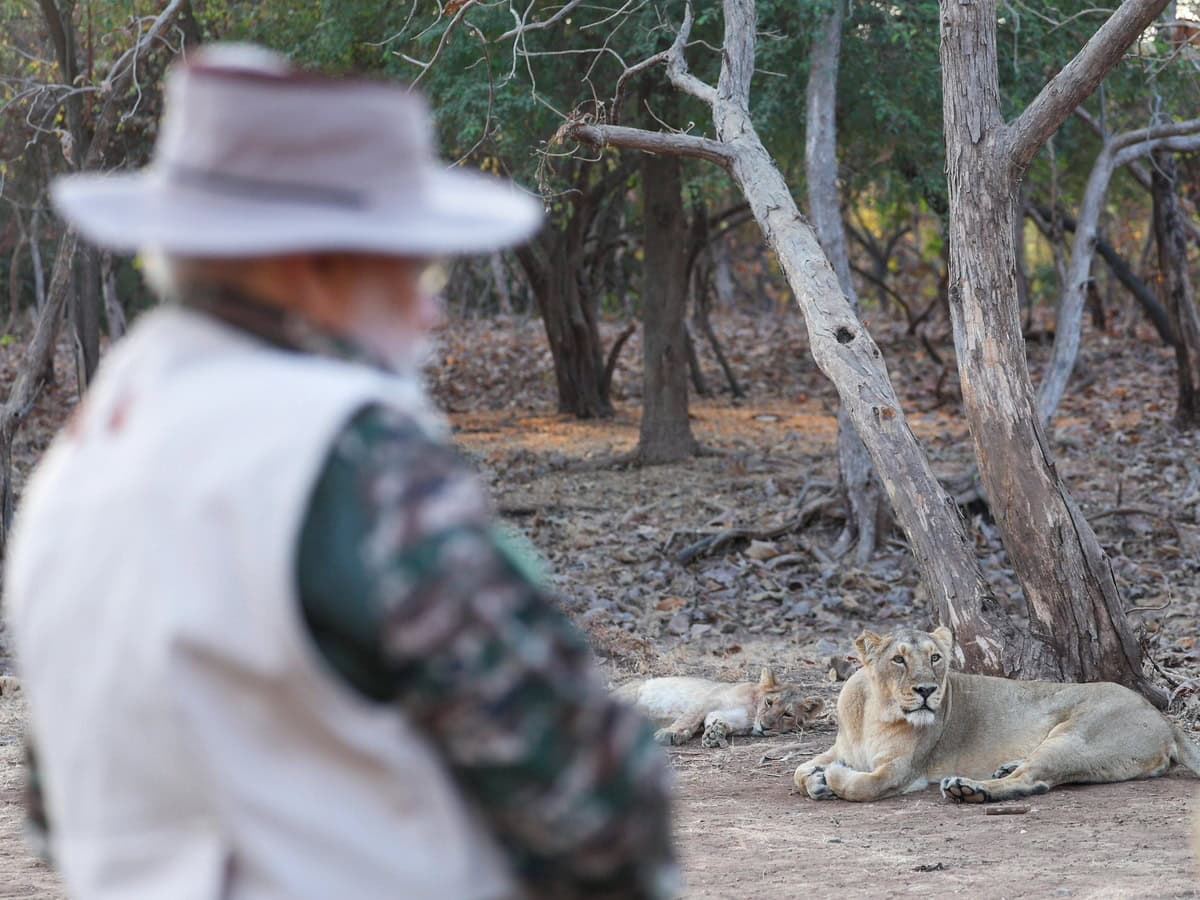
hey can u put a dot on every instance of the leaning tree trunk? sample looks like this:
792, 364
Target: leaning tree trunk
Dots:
1177, 288
1074, 604
666, 432
861, 487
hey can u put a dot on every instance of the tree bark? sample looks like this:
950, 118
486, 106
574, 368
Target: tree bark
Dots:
553, 264
570, 322
863, 494
1177, 288
1075, 610
666, 432
114, 312
85, 314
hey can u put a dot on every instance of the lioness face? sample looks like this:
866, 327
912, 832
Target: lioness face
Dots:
785, 710
910, 668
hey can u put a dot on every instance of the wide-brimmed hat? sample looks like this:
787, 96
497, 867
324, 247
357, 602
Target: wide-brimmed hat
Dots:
255, 157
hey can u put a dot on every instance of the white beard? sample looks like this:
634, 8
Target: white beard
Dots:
405, 350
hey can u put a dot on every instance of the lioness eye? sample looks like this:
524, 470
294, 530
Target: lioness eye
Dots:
936, 657
898, 659
770, 701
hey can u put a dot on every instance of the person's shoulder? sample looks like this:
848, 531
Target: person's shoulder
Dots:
396, 461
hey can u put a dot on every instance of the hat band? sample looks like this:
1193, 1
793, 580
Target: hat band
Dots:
268, 190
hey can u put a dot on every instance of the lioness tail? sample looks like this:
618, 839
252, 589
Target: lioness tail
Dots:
1189, 753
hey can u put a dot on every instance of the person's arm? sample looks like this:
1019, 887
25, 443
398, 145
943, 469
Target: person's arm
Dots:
414, 598
37, 824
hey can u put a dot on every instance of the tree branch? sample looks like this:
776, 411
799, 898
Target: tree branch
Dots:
1175, 144
1165, 130
737, 62
1078, 78
652, 142
677, 68
544, 23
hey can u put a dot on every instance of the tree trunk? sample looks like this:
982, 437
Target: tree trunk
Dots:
114, 312
570, 323
863, 494
85, 315
1075, 609
1177, 288
666, 432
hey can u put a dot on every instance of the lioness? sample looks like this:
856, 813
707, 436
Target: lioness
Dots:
686, 705
905, 720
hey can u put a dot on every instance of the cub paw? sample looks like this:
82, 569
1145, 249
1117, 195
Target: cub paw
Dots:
1008, 768
670, 738
964, 790
816, 785
716, 735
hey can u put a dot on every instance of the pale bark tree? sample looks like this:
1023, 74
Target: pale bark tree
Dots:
1073, 600
1176, 282
841, 346
1115, 152
863, 493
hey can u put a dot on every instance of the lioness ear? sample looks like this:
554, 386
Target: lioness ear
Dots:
867, 644
767, 679
945, 639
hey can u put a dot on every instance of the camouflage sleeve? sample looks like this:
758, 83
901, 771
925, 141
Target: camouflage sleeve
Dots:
37, 825
413, 597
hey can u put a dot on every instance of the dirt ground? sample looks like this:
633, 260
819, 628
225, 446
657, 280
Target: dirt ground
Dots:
612, 537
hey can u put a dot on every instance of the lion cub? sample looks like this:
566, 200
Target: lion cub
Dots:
687, 705
905, 720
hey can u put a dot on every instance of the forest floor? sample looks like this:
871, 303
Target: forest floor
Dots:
611, 537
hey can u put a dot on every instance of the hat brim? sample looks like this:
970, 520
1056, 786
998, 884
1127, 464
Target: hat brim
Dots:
454, 212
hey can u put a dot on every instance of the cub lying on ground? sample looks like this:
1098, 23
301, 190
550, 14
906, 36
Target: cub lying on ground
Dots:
686, 705
905, 720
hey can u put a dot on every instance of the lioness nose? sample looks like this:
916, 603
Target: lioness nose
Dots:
925, 689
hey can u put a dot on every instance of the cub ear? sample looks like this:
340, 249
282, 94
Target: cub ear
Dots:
812, 706
945, 639
767, 679
867, 644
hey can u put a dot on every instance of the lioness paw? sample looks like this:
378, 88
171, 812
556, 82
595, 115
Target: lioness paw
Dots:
964, 790
670, 738
1008, 768
716, 735
816, 785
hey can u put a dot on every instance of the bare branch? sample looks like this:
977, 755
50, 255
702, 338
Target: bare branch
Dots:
651, 142
523, 29
1165, 130
1175, 144
677, 68
1078, 78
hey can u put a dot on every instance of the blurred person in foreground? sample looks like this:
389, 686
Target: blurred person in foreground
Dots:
273, 644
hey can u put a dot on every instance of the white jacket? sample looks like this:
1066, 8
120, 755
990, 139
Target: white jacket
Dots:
191, 740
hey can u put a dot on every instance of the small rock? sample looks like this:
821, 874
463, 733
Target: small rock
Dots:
798, 610
680, 623
699, 630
